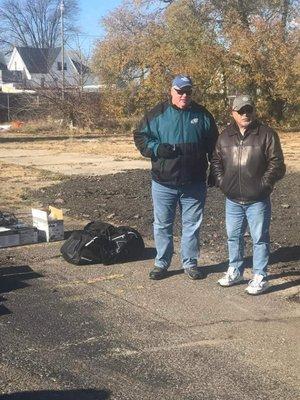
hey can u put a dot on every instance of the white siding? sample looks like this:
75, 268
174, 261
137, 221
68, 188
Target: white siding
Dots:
16, 63
71, 76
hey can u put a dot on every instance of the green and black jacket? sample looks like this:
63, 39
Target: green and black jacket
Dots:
194, 133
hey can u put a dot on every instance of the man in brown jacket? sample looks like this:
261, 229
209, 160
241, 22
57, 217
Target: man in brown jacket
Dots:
247, 162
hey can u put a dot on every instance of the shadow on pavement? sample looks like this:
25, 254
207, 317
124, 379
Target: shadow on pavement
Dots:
285, 254
283, 286
88, 394
175, 272
216, 268
148, 253
3, 309
282, 255
12, 278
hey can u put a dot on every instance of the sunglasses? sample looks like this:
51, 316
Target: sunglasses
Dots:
188, 92
246, 110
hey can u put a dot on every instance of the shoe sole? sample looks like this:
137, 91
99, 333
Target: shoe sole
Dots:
257, 293
195, 278
157, 278
232, 283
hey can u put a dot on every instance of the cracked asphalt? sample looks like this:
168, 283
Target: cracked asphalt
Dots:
108, 332
97, 332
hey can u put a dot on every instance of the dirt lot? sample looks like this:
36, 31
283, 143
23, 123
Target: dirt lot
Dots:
124, 198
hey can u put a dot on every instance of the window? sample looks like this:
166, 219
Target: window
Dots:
59, 64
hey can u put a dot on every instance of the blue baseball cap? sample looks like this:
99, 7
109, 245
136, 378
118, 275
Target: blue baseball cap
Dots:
181, 81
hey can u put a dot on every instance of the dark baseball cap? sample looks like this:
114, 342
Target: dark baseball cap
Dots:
242, 101
181, 81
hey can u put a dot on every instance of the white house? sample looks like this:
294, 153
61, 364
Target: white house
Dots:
43, 68
8, 78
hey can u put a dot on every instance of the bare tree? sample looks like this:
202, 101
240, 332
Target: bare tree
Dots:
35, 23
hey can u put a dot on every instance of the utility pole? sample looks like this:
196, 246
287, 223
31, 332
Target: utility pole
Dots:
8, 108
62, 9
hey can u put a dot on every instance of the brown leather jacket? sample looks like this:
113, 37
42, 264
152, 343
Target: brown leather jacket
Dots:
246, 168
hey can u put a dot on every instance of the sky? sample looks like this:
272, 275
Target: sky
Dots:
91, 11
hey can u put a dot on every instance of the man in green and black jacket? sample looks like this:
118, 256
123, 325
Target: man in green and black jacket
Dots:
179, 136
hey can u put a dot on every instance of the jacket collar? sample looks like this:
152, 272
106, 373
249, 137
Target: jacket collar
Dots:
253, 128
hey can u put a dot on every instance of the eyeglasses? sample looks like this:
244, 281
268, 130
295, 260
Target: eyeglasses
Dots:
188, 92
246, 110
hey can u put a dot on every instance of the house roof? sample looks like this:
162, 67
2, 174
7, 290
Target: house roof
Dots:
38, 61
3, 66
80, 68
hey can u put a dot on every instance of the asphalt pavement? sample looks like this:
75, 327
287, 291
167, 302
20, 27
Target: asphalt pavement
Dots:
108, 332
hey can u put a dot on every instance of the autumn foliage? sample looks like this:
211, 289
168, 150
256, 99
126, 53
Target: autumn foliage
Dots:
227, 47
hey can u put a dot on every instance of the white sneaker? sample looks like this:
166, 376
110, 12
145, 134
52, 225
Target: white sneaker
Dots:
257, 285
231, 277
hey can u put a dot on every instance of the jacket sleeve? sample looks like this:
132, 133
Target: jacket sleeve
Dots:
146, 138
211, 137
275, 161
217, 166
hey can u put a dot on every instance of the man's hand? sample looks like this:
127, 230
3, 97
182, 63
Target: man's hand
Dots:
167, 150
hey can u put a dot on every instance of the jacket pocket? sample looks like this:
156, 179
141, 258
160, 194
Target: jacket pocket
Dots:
166, 170
266, 188
228, 186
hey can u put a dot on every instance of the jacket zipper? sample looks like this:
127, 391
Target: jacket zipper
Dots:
240, 158
182, 136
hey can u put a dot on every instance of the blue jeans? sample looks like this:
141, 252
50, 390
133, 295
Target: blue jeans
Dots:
258, 216
191, 199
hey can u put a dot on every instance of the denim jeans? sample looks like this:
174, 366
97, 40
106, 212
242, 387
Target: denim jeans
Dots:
191, 199
258, 216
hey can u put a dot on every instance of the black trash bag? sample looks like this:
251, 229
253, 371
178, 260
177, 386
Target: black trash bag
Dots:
100, 242
128, 244
85, 248
100, 228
